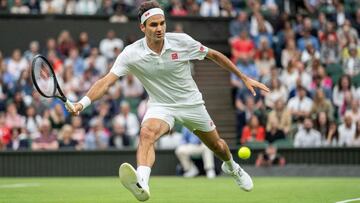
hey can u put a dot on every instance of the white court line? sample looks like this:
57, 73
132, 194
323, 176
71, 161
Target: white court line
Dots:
349, 200
20, 185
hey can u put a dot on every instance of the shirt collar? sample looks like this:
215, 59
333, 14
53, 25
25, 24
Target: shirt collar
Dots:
149, 51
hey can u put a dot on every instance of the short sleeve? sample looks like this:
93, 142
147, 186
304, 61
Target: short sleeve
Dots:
121, 65
196, 51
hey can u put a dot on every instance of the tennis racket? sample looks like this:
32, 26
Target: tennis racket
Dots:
45, 82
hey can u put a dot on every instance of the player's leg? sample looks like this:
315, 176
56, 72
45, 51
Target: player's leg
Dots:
137, 181
221, 150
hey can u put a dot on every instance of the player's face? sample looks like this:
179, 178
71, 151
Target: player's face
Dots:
155, 28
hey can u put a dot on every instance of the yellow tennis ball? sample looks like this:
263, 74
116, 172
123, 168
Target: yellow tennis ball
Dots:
244, 153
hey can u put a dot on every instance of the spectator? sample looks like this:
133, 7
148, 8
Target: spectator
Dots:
253, 131
83, 44
289, 53
330, 51
347, 131
307, 136
354, 112
106, 8
270, 158
341, 89
264, 58
177, 8
78, 131
210, 8
66, 141
321, 81
259, 27
51, 46
19, 8
34, 48
356, 141
75, 62
332, 136
5, 131
192, 146
70, 7
4, 9
32, 121
274, 133
346, 34
52, 6
290, 75
307, 39
118, 138
304, 77
119, 16
13, 118
227, 9
46, 139
57, 117
97, 137
351, 65
280, 115
242, 45
129, 121
321, 104
85, 7
96, 62
309, 54
34, 6
16, 65
300, 105
19, 140
312, 6
192, 7
322, 124
239, 25
132, 87
65, 43
278, 91
108, 45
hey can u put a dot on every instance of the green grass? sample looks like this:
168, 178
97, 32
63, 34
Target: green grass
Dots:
179, 190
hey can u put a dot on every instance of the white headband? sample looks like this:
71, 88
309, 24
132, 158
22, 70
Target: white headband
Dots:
151, 12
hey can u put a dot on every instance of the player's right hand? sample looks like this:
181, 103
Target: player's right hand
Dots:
77, 109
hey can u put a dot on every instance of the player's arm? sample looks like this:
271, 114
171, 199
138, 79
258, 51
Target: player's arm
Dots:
225, 63
96, 92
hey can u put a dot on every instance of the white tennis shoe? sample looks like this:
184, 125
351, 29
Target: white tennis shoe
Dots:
128, 178
241, 177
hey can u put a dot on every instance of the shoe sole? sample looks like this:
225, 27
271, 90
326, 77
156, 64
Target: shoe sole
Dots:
128, 179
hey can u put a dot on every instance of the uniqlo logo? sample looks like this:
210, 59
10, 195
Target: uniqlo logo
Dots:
202, 49
211, 123
174, 56
146, 14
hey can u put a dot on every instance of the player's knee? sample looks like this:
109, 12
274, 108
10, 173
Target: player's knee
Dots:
147, 134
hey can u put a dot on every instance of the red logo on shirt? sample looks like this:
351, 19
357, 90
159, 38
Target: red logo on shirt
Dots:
174, 56
202, 49
211, 123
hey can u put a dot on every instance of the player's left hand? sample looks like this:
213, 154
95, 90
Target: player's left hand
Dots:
252, 84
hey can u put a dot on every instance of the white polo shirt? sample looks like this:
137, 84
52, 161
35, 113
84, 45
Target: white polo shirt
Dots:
166, 77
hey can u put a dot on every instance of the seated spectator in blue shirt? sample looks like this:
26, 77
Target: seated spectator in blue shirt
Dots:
308, 38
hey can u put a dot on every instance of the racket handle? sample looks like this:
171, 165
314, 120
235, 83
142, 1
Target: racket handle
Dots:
69, 105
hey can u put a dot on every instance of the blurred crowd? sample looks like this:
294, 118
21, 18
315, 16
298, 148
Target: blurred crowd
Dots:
306, 51
311, 62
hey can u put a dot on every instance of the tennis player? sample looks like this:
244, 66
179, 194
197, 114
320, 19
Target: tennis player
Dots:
160, 61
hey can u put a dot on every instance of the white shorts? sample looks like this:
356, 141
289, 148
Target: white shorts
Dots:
193, 117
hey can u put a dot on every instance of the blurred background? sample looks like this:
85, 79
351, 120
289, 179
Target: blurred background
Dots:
306, 51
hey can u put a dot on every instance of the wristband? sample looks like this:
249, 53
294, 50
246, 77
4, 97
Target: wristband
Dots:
85, 102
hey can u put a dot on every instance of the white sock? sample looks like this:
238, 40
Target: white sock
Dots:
231, 164
143, 176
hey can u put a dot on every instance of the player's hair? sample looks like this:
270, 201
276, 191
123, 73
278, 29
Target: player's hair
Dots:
145, 6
